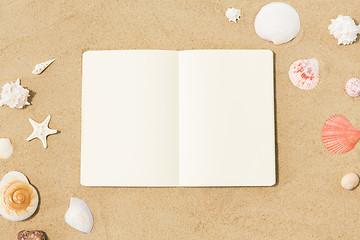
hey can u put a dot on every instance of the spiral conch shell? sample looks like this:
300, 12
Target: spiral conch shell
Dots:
18, 199
39, 68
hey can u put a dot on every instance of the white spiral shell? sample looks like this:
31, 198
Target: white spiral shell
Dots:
18, 199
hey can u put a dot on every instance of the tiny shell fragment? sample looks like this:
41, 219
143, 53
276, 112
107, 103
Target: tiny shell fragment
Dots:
350, 181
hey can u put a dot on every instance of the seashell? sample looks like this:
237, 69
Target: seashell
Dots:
277, 22
6, 148
352, 87
79, 216
304, 73
233, 14
350, 181
344, 29
39, 68
31, 235
14, 95
13, 175
339, 135
18, 199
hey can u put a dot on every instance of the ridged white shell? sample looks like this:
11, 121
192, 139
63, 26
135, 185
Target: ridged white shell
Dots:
79, 216
16, 183
277, 22
6, 148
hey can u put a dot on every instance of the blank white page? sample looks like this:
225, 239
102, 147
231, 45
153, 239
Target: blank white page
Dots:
129, 118
226, 118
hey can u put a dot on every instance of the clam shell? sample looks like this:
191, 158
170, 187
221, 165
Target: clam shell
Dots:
6, 148
39, 68
18, 199
79, 216
339, 135
352, 87
304, 73
277, 22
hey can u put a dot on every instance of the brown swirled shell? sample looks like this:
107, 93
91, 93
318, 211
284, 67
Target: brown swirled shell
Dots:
31, 235
18, 199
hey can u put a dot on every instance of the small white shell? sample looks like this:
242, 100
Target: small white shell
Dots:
39, 68
344, 29
18, 199
350, 181
79, 216
14, 95
233, 14
6, 148
352, 87
277, 22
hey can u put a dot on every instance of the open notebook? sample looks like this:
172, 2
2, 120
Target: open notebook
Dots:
178, 118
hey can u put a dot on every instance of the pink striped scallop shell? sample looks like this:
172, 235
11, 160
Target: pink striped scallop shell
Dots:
339, 135
304, 73
352, 87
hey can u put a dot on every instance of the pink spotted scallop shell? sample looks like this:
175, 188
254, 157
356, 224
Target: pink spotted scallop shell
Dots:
304, 73
352, 87
339, 135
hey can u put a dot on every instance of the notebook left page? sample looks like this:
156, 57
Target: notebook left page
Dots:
129, 129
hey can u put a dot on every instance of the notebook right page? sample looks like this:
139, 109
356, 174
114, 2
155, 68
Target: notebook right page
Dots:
226, 118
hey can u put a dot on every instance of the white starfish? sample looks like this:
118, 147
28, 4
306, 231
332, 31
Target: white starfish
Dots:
41, 130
